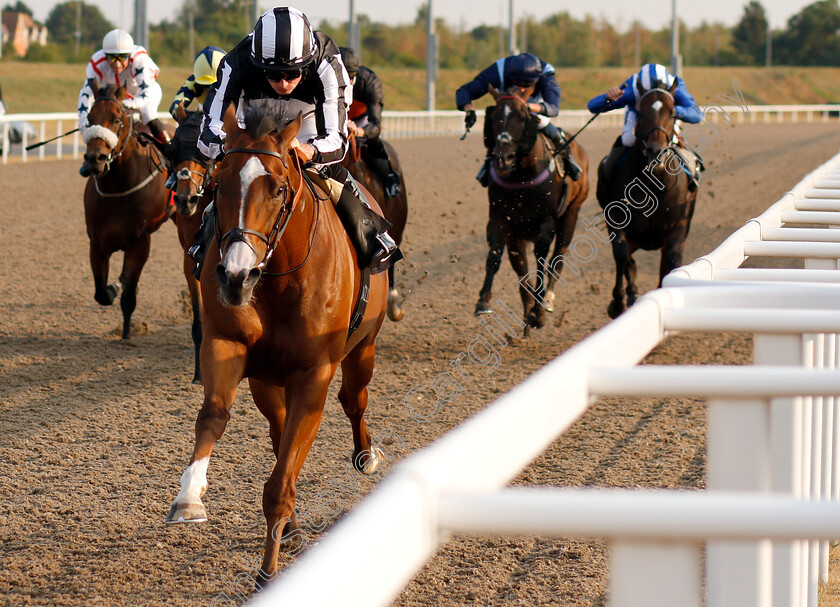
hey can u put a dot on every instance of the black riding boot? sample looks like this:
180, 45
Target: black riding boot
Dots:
204, 235
158, 131
367, 230
377, 156
569, 165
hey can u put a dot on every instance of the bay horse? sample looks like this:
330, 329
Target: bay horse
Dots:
531, 200
193, 192
395, 209
280, 283
125, 198
647, 204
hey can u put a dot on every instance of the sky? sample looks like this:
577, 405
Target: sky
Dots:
471, 13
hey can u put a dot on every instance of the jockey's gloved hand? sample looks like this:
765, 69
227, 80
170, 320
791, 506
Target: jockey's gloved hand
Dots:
470, 119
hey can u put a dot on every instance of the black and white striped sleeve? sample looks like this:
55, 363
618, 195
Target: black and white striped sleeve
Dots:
331, 112
211, 140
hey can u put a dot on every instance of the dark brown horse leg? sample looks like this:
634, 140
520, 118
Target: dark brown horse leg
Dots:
103, 293
135, 259
632, 289
565, 232
496, 242
356, 371
621, 254
195, 300
223, 365
395, 311
517, 255
542, 245
305, 396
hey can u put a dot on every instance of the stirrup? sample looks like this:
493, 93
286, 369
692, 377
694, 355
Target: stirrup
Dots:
572, 169
392, 185
389, 253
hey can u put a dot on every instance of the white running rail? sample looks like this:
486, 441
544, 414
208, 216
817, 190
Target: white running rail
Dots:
773, 494
396, 125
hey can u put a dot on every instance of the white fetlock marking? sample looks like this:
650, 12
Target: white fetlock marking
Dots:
393, 294
193, 482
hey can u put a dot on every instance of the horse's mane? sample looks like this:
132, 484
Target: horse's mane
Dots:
264, 116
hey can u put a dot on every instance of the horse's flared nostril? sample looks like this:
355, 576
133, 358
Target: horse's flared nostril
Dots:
222, 275
253, 277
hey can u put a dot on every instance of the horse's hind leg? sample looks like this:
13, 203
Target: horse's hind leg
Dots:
103, 293
356, 371
496, 241
537, 300
195, 300
621, 254
632, 289
395, 311
135, 259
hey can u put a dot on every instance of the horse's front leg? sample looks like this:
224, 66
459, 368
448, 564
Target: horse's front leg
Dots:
133, 262
496, 242
103, 293
195, 300
305, 396
537, 300
672, 253
621, 254
223, 366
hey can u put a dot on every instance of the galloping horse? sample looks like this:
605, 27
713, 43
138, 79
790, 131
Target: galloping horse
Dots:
280, 285
395, 208
194, 187
647, 203
530, 200
125, 198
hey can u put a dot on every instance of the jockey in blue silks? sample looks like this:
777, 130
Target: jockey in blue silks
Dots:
652, 75
522, 71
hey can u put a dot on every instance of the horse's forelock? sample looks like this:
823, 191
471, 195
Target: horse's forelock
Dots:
265, 116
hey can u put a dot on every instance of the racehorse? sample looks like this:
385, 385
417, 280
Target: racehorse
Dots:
395, 208
531, 200
647, 204
125, 198
280, 285
194, 187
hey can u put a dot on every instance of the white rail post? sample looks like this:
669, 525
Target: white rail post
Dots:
648, 574
786, 425
738, 448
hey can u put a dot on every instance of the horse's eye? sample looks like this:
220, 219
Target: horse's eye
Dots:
280, 190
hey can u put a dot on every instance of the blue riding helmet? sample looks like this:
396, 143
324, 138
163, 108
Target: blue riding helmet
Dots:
525, 68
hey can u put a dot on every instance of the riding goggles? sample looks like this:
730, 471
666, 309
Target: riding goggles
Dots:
287, 75
114, 57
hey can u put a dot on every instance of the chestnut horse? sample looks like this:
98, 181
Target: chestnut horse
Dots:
647, 203
280, 284
395, 209
193, 192
531, 200
125, 198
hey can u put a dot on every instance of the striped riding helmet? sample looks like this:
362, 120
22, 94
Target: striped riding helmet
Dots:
654, 75
282, 40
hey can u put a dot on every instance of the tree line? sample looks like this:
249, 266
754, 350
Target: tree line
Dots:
809, 38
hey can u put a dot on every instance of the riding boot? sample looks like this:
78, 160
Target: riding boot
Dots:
483, 174
159, 131
390, 178
367, 230
570, 166
204, 235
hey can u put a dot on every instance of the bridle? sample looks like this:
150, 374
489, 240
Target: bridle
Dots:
122, 142
669, 135
204, 178
281, 222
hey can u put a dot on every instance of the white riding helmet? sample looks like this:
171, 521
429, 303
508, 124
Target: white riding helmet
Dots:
117, 42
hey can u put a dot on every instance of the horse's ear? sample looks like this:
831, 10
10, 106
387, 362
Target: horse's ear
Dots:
493, 91
94, 86
291, 130
674, 85
639, 88
229, 120
119, 94
181, 112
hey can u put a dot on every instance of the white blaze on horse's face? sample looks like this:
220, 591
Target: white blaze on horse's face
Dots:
247, 175
656, 106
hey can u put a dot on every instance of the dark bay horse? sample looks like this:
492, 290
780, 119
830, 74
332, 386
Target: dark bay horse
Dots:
531, 200
125, 198
647, 203
193, 192
280, 284
395, 208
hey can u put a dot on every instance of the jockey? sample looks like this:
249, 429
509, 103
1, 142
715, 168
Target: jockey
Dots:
123, 63
284, 60
522, 71
628, 96
205, 66
195, 88
365, 118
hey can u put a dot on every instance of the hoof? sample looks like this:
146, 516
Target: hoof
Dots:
187, 513
549, 301
615, 309
535, 320
107, 297
368, 462
482, 307
395, 312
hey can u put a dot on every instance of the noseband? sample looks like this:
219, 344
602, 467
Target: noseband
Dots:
200, 184
117, 151
280, 223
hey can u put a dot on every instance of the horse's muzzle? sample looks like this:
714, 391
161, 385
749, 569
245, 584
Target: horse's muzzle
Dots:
186, 205
235, 289
98, 163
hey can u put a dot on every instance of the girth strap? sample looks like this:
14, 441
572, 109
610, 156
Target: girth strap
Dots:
361, 303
